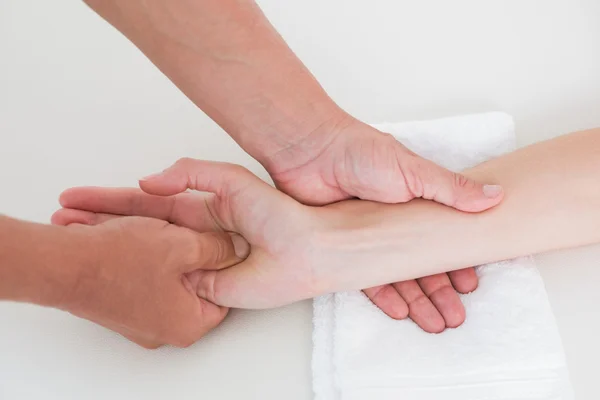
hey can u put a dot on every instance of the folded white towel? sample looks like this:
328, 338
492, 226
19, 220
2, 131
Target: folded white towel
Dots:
508, 347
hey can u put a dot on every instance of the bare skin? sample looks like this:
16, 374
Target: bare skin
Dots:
231, 62
132, 275
552, 202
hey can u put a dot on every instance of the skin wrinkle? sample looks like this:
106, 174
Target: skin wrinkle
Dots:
337, 167
172, 207
340, 172
413, 183
208, 287
388, 197
212, 216
332, 136
431, 192
459, 181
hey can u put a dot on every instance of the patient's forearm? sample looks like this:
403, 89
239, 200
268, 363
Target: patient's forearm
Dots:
552, 201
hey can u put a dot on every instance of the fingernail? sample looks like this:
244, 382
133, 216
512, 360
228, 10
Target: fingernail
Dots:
492, 191
240, 246
147, 178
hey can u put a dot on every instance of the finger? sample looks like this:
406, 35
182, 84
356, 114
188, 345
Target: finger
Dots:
122, 201
186, 209
250, 284
207, 176
67, 216
388, 299
231, 287
427, 180
443, 296
464, 280
421, 309
217, 250
207, 317
197, 317
212, 315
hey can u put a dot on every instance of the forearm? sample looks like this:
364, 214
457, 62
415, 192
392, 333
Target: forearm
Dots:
38, 263
552, 201
230, 61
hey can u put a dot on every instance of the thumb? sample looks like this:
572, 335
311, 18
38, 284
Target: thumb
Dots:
217, 250
206, 176
229, 287
247, 285
430, 181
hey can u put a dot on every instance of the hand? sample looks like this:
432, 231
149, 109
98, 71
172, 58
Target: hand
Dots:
279, 268
355, 160
143, 278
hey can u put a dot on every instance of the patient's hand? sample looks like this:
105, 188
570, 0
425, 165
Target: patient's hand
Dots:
292, 256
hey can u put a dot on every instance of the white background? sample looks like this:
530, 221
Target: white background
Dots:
80, 105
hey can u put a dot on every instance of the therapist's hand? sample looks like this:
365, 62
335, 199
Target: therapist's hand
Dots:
348, 158
142, 277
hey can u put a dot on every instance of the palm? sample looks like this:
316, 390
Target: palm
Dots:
368, 165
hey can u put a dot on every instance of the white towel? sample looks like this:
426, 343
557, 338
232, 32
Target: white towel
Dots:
508, 347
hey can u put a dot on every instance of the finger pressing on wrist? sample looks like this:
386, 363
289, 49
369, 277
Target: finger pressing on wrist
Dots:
217, 250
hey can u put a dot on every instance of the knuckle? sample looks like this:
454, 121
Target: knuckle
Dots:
184, 162
239, 169
462, 182
240, 172
460, 186
186, 165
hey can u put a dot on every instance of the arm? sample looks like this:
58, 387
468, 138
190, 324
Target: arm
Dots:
112, 273
552, 202
231, 62
39, 263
